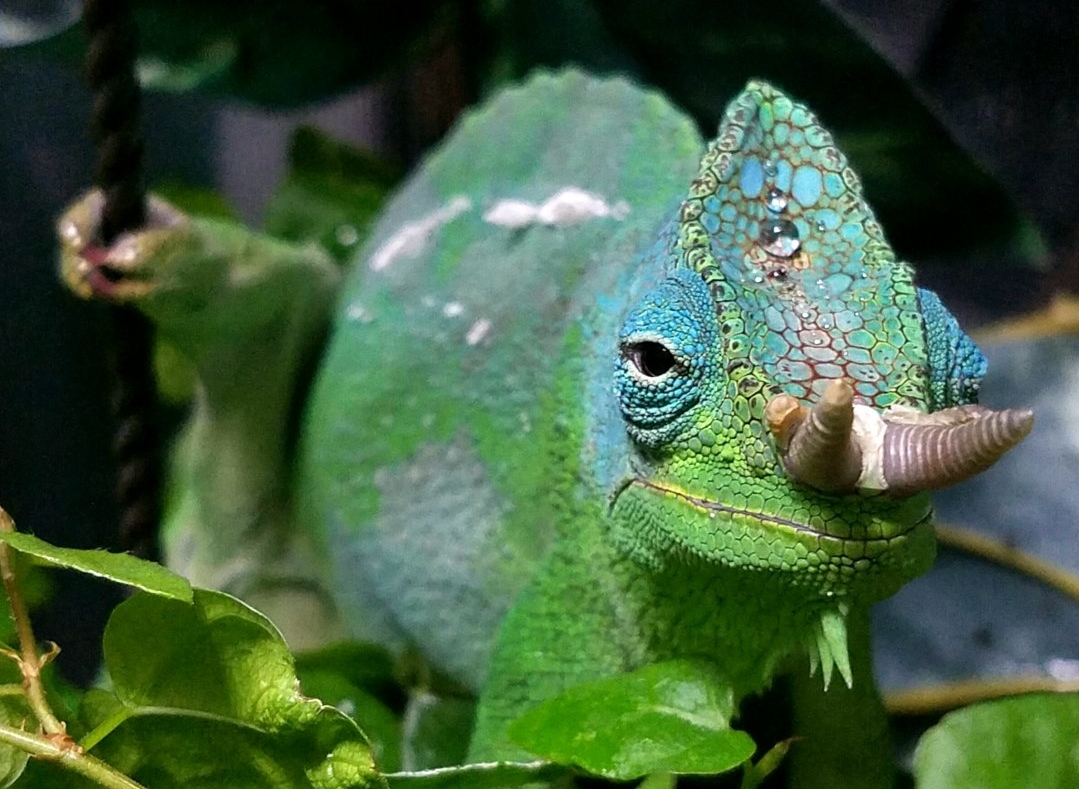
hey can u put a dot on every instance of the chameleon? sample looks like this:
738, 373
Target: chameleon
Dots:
579, 406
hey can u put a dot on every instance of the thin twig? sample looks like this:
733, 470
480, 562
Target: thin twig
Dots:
996, 551
68, 758
938, 699
30, 662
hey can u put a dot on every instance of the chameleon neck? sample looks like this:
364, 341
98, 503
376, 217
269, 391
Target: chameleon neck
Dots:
695, 609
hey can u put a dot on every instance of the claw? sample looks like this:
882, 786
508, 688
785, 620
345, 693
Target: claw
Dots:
114, 272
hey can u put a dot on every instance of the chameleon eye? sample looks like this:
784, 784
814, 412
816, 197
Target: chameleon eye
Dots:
652, 359
666, 358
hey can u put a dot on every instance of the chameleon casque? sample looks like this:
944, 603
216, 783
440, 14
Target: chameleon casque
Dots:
581, 409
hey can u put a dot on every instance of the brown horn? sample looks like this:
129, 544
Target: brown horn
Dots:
924, 456
817, 445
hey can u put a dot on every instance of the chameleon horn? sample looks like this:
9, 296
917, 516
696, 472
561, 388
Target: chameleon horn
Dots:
923, 456
817, 445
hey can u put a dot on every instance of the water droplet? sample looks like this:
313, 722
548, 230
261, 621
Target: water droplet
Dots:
780, 238
779, 274
805, 315
776, 200
451, 309
821, 227
758, 279
346, 235
769, 169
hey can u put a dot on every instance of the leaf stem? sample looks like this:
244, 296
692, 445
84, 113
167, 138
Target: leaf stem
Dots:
938, 699
63, 755
30, 662
993, 550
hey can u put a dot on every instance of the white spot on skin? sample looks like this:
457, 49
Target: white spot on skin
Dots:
478, 331
568, 206
452, 309
359, 313
413, 236
513, 214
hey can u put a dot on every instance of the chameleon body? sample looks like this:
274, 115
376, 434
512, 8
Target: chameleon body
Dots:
560, 428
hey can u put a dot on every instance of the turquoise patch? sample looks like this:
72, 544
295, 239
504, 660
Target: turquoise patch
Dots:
806, 186
783, 175
751, 180
833, 184
827, 218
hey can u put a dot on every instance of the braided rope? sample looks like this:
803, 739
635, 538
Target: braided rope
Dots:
110, 72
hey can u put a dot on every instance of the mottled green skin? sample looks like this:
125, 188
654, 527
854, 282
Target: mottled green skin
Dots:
443, 474
486, 470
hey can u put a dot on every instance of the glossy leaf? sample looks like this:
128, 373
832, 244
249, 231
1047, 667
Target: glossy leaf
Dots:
437, 729
382, 727
330, 196
1024, 741
205, 694
493, 775
273, 52
669, 717
119, 567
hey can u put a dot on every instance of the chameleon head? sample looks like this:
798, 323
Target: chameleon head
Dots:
790, 395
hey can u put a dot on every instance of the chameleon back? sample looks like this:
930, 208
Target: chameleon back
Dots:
434, 437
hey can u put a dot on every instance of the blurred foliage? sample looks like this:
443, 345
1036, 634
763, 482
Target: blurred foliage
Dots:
277, 53
1025, 741
932, 197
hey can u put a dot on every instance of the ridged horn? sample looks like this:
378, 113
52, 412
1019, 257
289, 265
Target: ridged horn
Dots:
917, 457
817, 445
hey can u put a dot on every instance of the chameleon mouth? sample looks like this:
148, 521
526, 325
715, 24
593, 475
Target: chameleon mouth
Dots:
714, 507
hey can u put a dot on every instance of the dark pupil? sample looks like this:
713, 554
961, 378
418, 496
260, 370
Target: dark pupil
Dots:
651, 358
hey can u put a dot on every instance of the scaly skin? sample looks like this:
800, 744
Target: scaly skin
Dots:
570, 416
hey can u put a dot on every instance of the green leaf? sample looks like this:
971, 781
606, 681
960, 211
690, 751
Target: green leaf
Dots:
489, 775
120, 567
205, 695
196, 200
365, 665
1024, 741
330, 196
378, 722
15, 713
669, 717
437, 730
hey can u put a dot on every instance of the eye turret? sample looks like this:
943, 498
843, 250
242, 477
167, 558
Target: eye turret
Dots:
667, 351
